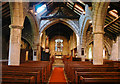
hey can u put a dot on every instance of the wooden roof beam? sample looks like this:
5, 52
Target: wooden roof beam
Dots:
111, 22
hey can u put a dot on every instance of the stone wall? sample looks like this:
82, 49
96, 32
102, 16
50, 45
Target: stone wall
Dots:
87, 50
115, 50
73, 42
43, 40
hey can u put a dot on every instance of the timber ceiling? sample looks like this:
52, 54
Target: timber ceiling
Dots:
5, 18
112, 21
59, 29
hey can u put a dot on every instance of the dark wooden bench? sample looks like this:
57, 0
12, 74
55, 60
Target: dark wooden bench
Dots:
72, 74
46, 64
99, 79
87, 66
25, 69
78, 74
36, 74
9, 79
76, 59
41, 70
71, 67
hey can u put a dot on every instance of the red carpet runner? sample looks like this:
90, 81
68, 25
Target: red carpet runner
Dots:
57, 76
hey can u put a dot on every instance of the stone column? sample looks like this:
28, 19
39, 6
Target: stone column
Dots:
36, 48
83, 51
36, 51
35, 55
15, 44
78, 46
40, 44
99, 12
115, 54
39, 52
73, 53
98, 48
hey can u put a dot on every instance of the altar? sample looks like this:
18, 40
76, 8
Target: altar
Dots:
58, 56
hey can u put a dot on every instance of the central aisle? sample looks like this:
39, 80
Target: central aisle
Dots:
58, 76
58, 63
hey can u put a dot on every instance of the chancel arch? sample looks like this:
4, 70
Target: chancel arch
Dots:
60, 30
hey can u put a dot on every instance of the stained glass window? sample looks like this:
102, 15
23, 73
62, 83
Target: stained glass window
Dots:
59, 45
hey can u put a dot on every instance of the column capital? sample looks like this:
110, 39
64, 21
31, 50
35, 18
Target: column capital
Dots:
34, 47
99, 32
15, 26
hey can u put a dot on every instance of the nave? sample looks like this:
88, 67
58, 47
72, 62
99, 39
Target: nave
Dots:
60, 42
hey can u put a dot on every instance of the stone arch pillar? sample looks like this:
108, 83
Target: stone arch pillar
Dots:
79, 46
83, 24
36, 47
99, 13
39, 48
115, 51
15, 45
36, 38
17, 20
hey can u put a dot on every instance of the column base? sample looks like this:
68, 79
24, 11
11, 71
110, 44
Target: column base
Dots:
34, 58
82, 58
12, 64
97, 63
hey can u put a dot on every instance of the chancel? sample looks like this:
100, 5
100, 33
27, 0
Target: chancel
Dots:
70, 41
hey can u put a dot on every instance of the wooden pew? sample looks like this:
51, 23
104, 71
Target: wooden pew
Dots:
100, 79
38, 80
71, 67
44, 68
78, 74
44, 64
76, 59
47, 65
70, 64
25, 69
72, 74
8, 79
114, 63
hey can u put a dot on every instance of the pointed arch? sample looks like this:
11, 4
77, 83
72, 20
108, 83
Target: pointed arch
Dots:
34, 26
69, 23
